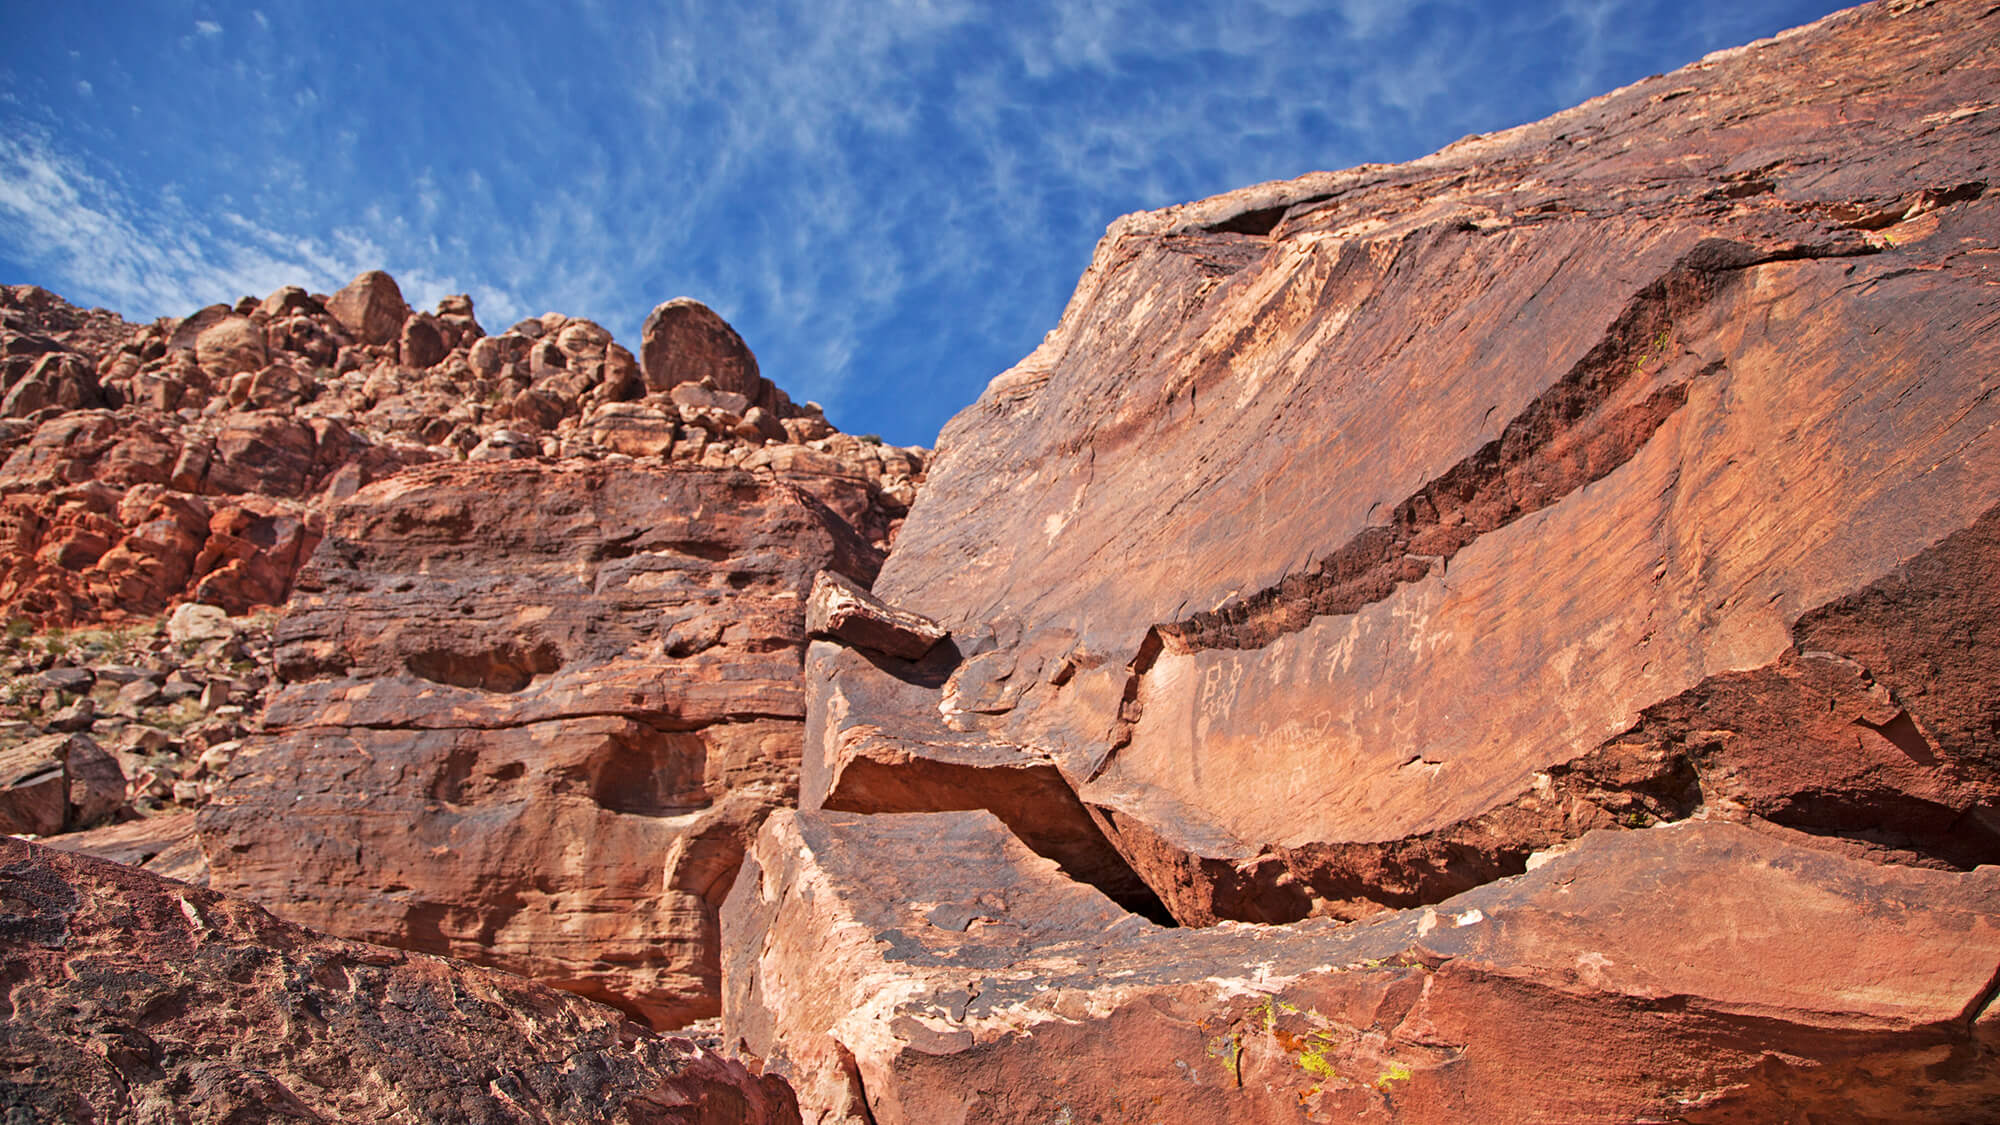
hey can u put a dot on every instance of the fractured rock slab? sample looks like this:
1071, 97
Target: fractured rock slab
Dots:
847, 612
919, 968
1357, 543
56, 783
1355, 537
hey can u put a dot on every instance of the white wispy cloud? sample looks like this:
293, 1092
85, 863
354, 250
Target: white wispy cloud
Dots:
873, 191
94, 239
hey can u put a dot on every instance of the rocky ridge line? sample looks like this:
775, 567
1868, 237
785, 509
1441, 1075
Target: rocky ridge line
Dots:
196, 459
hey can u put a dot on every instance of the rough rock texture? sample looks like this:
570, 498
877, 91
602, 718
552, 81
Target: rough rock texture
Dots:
1659, 490
163, 845
195, 460
1608, 985
532, 716
371, 308
1353, 539
132, 998
56, 783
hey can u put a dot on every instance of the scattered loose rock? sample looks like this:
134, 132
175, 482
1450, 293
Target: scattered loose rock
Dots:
136, 998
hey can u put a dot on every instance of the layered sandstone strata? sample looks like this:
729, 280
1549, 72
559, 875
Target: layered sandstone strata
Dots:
1700, 972
530, 716
1354, 539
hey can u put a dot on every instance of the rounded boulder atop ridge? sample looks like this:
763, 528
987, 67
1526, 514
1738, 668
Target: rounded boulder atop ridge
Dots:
685, 341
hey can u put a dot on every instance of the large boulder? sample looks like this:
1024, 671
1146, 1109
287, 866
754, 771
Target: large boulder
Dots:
136, 998
421, 343
517, 693
229, 346
684, 341
371, 308
56, 783
57, 379
1353, 540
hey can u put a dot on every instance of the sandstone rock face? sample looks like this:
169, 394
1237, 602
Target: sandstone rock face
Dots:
533, 715
141, 466
134, 998
230, 347
1354, 539
1605, 986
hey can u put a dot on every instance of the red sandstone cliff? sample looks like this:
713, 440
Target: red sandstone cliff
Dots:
1570, 555
196, 459
1503, 637
547, 644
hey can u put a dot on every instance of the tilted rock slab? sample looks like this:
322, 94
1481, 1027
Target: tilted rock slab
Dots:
1377, 529
931, 967
842, 610
532, 715
1353, 539
135, 998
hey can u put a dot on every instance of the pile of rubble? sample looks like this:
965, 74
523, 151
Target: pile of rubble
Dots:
100, 728
195, 459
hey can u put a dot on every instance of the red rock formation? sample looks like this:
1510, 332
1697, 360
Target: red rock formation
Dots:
56, 783
240, 426
685, 342
131, 998
533, 715
980, 984
841, 610
1354, 539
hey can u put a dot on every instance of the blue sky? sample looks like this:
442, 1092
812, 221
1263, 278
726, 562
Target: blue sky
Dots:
890, 199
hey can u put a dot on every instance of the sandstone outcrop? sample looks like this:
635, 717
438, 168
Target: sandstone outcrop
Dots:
195, 460
686, 342
371, 308
1354, 540
532, 715
134, 998
1606, 985
582, 662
